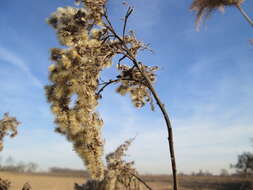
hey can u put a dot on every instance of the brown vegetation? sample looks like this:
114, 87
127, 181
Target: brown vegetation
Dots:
8, 127
204, 8
156, 182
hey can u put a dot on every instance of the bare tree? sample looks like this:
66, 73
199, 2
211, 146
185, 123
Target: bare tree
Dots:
244, 164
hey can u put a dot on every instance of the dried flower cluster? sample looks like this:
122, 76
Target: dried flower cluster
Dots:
27, 186
118, 175
119, 172
205, 7
8, 127
4, 184
133, 82
76, 72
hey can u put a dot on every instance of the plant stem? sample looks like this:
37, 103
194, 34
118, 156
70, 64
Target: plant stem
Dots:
142, 181
167, 120
245, 15
158, 101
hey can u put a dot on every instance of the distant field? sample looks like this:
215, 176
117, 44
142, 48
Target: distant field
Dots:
52, 182
40, 182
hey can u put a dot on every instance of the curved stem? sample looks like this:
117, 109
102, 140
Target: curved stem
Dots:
156, 97
105, 85
167, 120
245, 15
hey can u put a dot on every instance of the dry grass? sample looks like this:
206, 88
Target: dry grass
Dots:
52, 182
49, 182
40, 182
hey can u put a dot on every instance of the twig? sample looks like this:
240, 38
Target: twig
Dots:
142, 181
106, 84
158, 101
245, 15
167, 120
129, 12
121, 59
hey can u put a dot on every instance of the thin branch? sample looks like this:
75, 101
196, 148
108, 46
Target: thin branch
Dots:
106, 84
245, 15
166, 117
141, 180
129, 12
158, 101
121, 59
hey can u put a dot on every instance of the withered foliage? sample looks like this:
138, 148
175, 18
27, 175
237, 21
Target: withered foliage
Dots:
204, 8
132, 81
90, 45
8, 127
27, 186
119, 174
4, 184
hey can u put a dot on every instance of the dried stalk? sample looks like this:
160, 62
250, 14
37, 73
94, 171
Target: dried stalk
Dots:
245, 15
156, 97
142, 181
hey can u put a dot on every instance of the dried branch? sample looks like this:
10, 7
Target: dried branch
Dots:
141, 180
121, 59
105, 84
129, 12
245, 15
129, 54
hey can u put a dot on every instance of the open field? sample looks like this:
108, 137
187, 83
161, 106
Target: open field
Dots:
40, 182
53, 182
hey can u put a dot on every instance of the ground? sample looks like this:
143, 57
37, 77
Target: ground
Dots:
54, 182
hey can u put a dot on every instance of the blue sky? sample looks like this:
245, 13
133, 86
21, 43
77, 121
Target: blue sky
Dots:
205, 80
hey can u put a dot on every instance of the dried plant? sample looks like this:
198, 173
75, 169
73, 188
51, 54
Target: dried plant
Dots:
27, 186
119, 174
204, 8
92, 43
4, 184
76, 72
8, 127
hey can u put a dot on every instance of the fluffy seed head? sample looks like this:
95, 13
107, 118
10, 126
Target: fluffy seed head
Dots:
204, 8
8, 127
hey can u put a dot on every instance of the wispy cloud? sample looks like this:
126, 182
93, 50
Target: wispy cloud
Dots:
13, 59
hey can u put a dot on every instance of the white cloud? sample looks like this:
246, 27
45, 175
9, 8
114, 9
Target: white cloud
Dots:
10, 57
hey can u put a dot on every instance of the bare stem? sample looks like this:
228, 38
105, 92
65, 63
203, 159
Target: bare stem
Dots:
156, 97
129, 11
245, 15
167, 120
142, 181
106, 84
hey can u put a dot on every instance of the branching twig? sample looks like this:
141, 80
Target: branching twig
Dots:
105, 84
129, 12
155, 95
